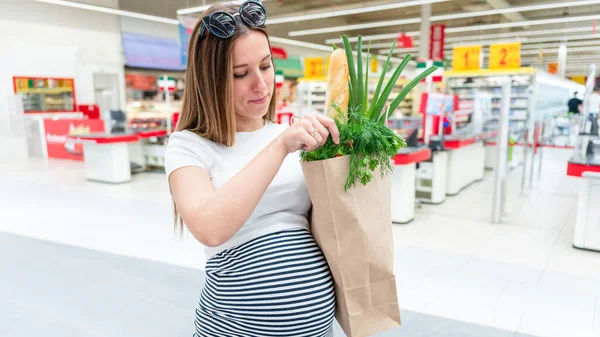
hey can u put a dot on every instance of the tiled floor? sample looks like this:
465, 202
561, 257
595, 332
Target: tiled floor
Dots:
457, 274
76, 292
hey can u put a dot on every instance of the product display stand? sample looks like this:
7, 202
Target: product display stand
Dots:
585, 164
500, 174
107, 156
403, 182
432, 178
311, 95
466, 158
587, 223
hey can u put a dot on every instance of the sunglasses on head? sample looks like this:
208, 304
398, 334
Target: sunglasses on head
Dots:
222, 24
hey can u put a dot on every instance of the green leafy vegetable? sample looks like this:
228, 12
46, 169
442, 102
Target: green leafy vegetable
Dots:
364, 136
368, 143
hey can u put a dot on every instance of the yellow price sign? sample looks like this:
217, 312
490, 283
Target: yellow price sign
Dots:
466, 58
506, 55
313, 67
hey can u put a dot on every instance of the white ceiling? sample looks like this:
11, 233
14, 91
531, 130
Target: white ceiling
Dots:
470, 22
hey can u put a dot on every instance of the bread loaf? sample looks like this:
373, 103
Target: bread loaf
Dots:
338, 79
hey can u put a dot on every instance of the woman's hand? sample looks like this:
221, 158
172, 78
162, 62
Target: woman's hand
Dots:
309, 133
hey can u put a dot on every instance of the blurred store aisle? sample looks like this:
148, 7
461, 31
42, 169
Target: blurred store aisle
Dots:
457, 274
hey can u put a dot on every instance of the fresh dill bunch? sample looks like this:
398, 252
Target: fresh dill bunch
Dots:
369, 144
364, 137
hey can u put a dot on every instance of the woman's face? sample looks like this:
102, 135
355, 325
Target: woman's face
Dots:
253, 75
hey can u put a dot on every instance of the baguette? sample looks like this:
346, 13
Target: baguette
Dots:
338, 79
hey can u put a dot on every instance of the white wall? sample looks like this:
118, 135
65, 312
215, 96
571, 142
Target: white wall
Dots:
145, 27
39, 39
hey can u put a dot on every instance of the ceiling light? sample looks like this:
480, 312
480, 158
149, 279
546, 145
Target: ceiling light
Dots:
322, 47
352, 11
555, 51
111, 11
517, 34
368, 25
527, 40
300, 43
515, 10
392, 36
526, 43
446, 17
199, 9
477, 28
522, 23
582, 58
331, 14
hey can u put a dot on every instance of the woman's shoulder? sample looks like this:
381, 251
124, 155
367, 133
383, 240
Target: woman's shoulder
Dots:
187, 137
186, 148
190, 143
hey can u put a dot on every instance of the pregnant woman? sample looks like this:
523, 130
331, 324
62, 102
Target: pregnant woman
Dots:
238, 187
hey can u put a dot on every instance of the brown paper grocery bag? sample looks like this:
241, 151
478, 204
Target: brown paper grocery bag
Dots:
354, 230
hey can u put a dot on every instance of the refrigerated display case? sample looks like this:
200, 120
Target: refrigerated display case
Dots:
46, 94
311, 96
535, 95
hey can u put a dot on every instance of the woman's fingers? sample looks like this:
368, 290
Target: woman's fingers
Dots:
316, 130
329, 123
310, 143
320, 132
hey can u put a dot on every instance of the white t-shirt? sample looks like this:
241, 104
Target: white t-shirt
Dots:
285, 204
594, 104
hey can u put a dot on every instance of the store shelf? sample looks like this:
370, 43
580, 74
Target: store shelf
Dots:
311, 96
46, 91
534, 93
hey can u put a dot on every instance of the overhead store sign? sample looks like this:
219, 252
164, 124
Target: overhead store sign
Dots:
167, 83
436, 42
140, 82
291, 67
279, 78
579, 79
186, 26
437, 76
466, 58
505, 55
404, 41
374, 63
152, 52
279, 53
315, 67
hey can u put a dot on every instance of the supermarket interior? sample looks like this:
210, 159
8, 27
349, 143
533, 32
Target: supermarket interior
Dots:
493, 224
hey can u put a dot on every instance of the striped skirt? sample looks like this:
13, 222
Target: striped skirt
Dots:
275, 285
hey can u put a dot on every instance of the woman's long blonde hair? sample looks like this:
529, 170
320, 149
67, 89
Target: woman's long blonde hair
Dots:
208, 109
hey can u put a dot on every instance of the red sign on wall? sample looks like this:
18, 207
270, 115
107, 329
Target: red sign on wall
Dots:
436, 42
279, 53
57, 131
140, 82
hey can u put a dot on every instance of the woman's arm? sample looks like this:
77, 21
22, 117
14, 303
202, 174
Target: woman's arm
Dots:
214, 216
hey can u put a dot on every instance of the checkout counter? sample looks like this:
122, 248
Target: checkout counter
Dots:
403, 182
587, 224
465, 159
112, 157
108, 156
